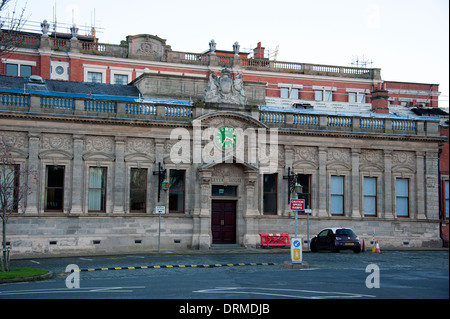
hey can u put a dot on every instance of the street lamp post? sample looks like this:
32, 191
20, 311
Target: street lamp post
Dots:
298, 190
294, 186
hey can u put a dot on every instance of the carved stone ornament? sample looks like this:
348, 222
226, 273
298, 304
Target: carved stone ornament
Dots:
225, 89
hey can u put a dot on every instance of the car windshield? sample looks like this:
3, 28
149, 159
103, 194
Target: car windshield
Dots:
345, 232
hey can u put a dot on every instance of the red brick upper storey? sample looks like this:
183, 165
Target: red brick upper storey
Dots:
84, 59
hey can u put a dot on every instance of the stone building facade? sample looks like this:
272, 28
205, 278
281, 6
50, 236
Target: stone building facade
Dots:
97, 160
96, 122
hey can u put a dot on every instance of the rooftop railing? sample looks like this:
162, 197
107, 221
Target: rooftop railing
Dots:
123, 110
60, 44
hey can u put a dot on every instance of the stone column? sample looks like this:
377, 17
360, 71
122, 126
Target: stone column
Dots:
251, 236
203, 219
119, 176
355, 180
33, 166
431, 184
321, 189
420, 186
388, 204
77, 175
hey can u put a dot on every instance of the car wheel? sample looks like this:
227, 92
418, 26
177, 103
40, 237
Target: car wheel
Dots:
313, 248
357, 250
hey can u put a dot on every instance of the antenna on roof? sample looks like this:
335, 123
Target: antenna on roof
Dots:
54, 19
361, 63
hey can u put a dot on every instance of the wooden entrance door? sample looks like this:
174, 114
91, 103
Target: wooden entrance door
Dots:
223, 221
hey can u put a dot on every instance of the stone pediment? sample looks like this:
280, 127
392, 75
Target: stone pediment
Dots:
228, 118
229, 159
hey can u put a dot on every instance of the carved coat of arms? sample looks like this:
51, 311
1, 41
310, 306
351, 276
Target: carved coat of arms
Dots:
225, 89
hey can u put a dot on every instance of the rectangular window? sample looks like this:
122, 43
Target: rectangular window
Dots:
446, 198
356, 97
94, 77
305, 181
294, 94
138, 190
284, 93
54, 193
318, 95
121, 79
328, 96
176, 191
230, 191
402, 197
25, 70
9, 179
361, 98
97, 189
18, 70
337, 195
270, 194
370, 196
352, 97
12, 69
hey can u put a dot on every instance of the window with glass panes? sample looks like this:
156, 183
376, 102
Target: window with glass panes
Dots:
337, 195
176, 191
305, 181
270, 194
94, 77
446, 198
370, 196
9, 179
284, 93
138, 189
121, 79
97, 189
54, 193
402, 197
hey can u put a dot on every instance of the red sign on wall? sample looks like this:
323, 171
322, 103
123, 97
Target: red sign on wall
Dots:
297, 204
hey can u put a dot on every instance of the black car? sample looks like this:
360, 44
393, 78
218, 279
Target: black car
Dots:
336, 239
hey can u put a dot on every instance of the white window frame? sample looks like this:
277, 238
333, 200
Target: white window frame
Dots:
371, 196
121, 71
95, 69
337, 194
290, 88
19, 63
400, 196
326, 92
360, 95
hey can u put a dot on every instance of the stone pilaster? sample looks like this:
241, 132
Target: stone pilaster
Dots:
355, 180
33, 166
77, 175
119, 176
420, 186
321, 188
388, 190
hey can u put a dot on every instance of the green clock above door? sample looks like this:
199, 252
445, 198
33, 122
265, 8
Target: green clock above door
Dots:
226, 137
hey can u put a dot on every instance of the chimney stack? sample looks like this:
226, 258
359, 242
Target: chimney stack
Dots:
380, 98
258, 52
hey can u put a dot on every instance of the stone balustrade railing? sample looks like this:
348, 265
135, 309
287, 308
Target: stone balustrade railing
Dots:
185, 111
122, 51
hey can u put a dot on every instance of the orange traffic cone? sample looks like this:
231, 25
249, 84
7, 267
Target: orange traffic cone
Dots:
377, 248
363, 249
